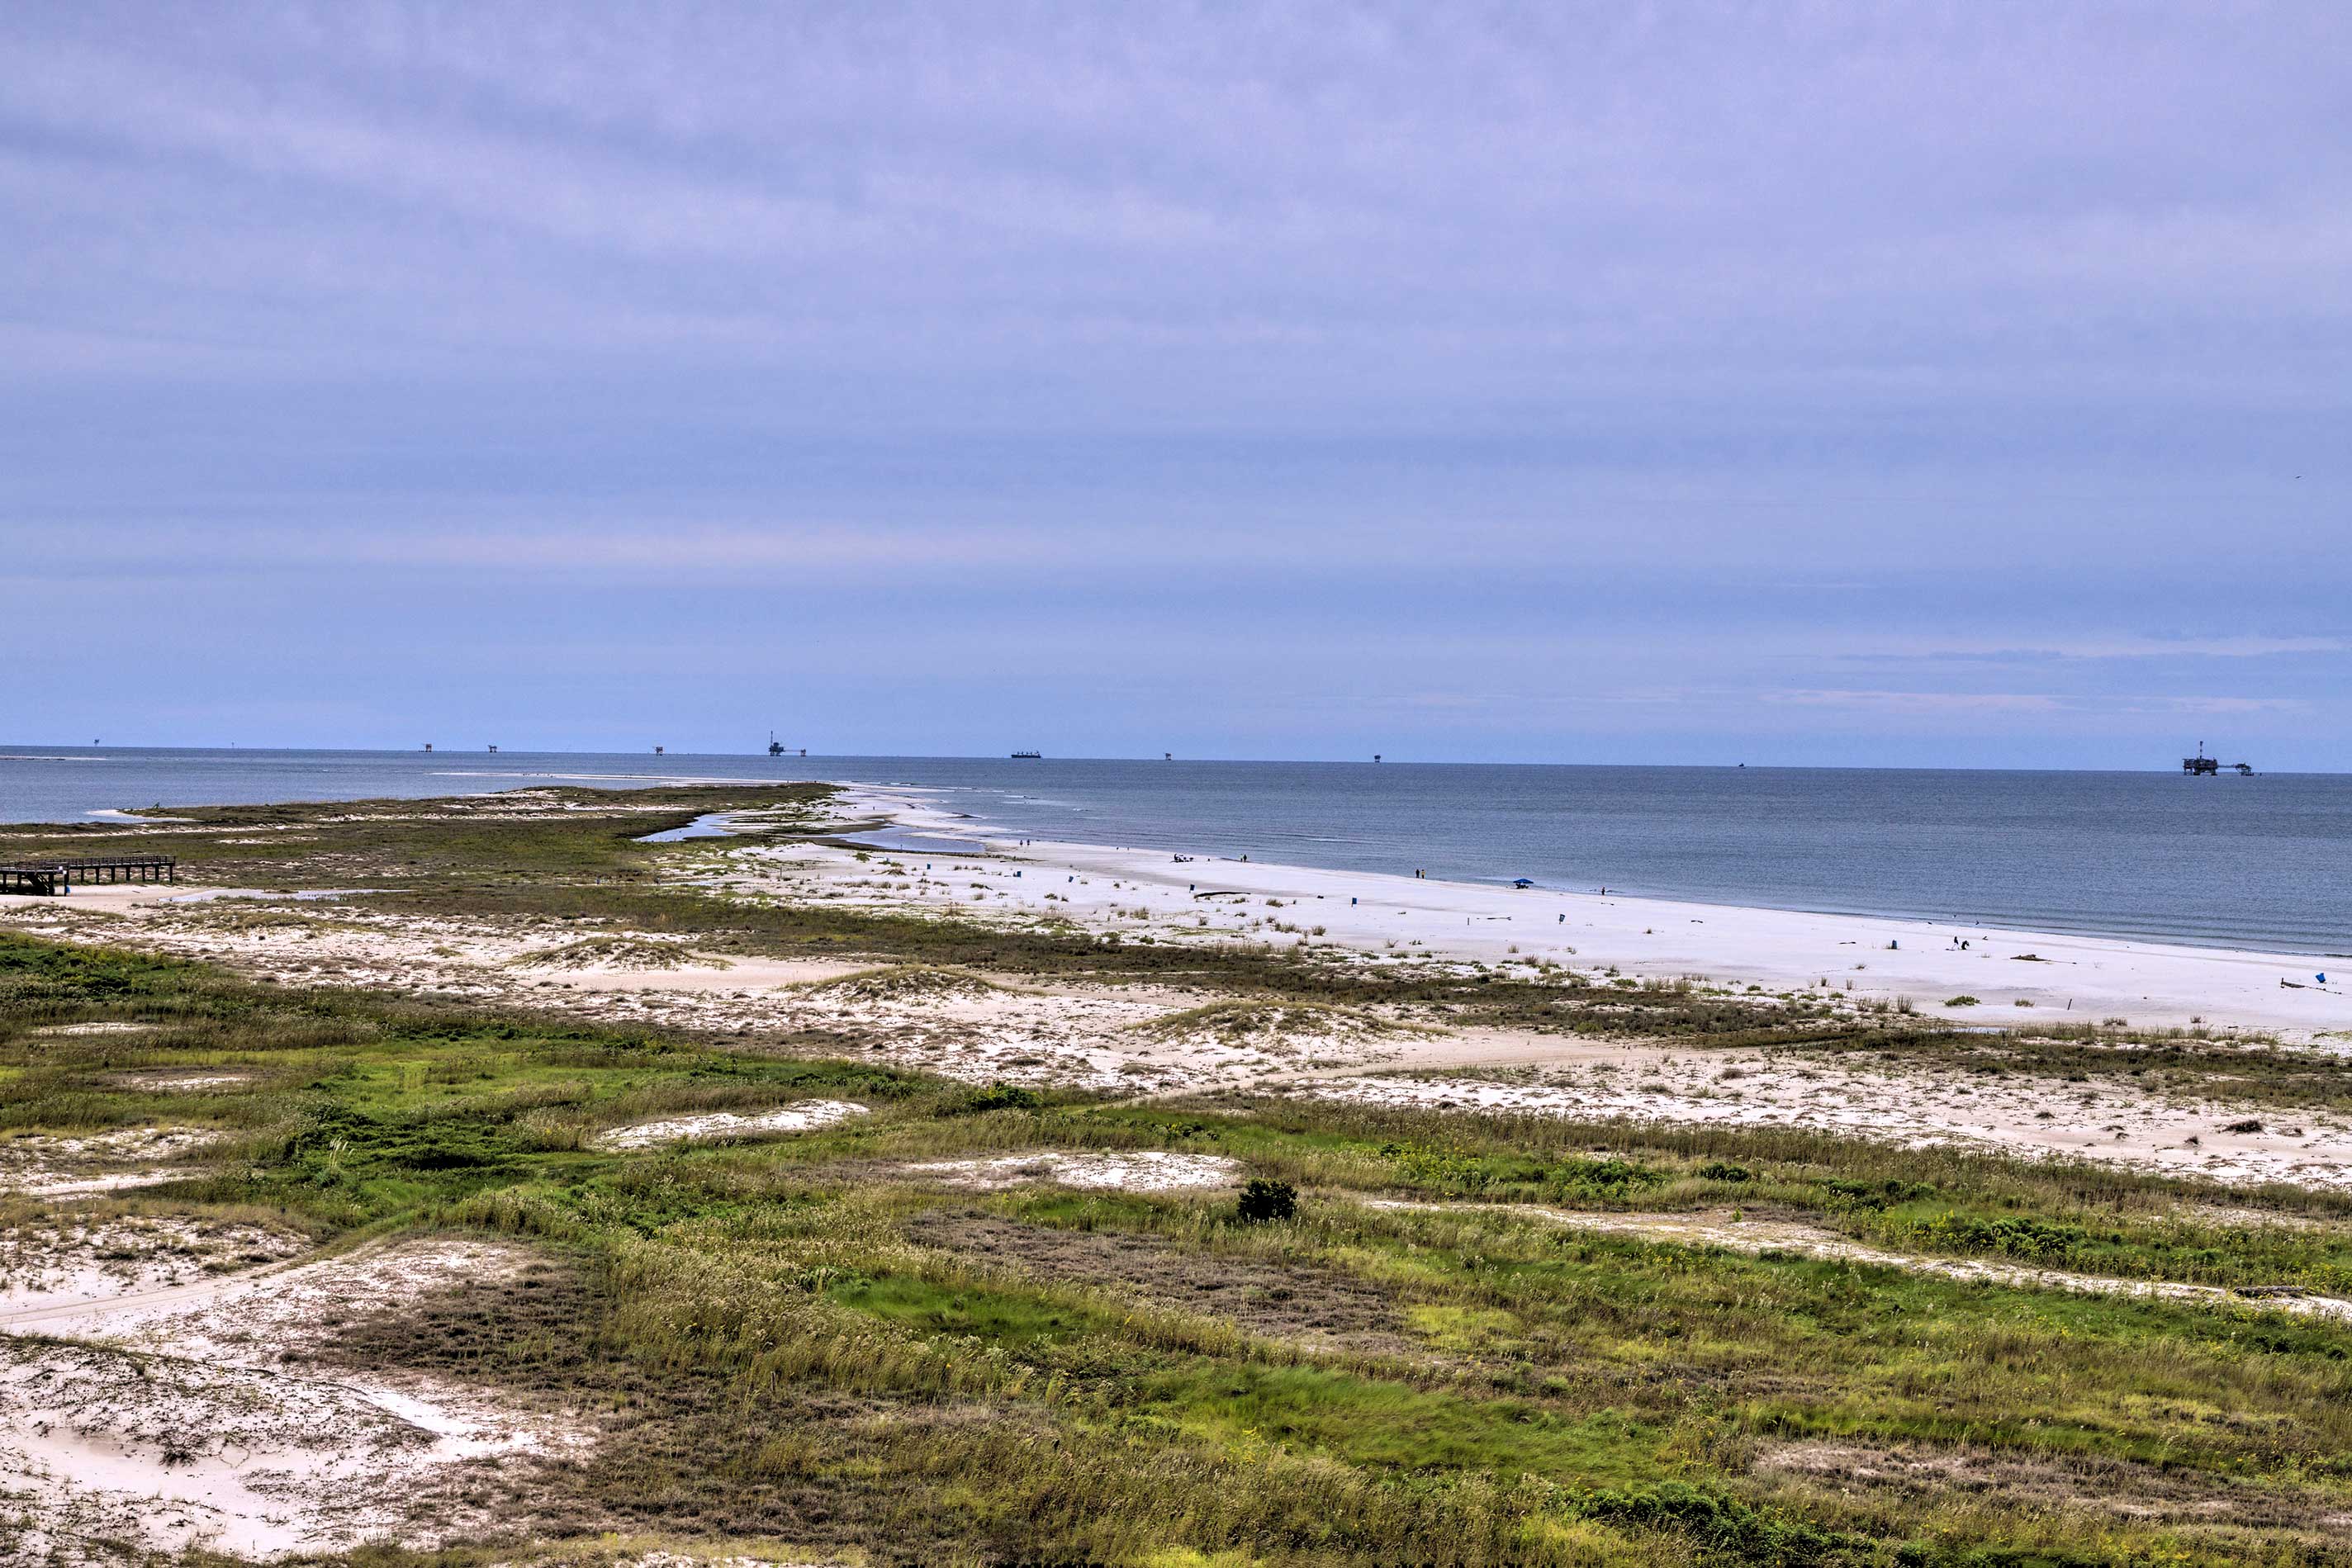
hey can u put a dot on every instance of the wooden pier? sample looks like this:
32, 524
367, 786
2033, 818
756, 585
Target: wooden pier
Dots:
49, 878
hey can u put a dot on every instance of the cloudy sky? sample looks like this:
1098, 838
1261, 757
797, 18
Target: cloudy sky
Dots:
1962, 383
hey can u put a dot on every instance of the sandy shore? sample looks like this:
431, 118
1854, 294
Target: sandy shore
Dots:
2017, 976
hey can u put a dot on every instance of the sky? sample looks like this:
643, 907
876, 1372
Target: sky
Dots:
1942, 385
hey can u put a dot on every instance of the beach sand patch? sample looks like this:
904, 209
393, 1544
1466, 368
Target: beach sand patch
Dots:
2116, 1123
181, 1079
179, 1416
176, 1453
39, 1165
1147, 1170
71, 1255
798, 1117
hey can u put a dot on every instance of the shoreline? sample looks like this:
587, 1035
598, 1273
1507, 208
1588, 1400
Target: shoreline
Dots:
898, 796
2019, 977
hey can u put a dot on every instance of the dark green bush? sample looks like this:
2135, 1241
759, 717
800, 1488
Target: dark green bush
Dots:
1262, 1201
1005, 1097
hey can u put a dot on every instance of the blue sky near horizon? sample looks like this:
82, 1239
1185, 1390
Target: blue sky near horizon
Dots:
1840, 384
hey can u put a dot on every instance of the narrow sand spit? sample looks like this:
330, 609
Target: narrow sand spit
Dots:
169, 1416
1719, 1228
1148, 1170
2015, 1114
794, 1118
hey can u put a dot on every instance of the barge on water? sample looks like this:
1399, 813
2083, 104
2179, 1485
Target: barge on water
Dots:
2201, 766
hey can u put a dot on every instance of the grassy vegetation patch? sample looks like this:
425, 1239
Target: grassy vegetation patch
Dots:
629, 953
904, 983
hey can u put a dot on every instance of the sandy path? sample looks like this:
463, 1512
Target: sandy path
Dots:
1719, 1229
94, 1317
73, 1256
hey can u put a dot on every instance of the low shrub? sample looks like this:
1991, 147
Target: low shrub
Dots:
1262, 1201
1004, 1097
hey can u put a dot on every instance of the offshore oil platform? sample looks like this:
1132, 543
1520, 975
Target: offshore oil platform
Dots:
2201, 766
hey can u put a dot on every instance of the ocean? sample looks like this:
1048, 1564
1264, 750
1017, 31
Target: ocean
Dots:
2264, 862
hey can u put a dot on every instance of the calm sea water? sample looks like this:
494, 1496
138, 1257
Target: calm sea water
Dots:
2262, 861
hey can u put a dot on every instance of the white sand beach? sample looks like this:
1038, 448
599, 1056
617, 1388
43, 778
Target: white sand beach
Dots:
2017, 976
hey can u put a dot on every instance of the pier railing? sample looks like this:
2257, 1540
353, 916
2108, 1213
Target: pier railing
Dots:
51, 877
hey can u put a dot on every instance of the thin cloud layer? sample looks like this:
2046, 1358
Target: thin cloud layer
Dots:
1964, 382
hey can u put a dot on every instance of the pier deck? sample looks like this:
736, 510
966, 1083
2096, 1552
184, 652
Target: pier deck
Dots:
46, 878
